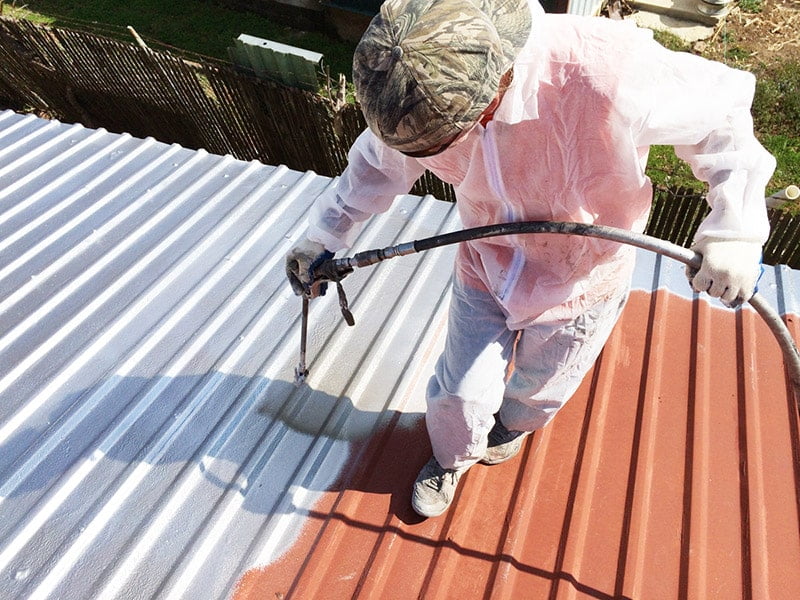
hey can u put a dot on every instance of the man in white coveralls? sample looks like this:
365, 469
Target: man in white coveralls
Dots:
535, 117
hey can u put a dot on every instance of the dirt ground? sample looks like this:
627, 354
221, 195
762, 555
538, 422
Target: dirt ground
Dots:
769, 36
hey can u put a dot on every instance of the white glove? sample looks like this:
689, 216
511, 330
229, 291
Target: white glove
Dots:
729, 271
300, 263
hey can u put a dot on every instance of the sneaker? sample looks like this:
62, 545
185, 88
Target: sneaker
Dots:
503, 444
434, 489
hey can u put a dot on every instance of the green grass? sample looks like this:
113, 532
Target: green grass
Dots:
200, 27
670, 41
776, 113
667, 170
776, 106
786, 151
734, 55
751, 6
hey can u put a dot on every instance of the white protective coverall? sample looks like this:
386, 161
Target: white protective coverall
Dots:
568, 142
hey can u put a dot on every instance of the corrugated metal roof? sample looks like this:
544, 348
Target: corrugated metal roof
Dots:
154, 445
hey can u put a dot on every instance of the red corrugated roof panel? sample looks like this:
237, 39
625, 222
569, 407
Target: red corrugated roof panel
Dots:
672, 473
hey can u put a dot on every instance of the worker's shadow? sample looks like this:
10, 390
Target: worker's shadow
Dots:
264, 439
386, 448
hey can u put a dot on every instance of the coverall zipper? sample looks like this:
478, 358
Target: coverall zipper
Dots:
494, 175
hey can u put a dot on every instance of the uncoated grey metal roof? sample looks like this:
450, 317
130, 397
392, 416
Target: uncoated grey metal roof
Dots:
153, 442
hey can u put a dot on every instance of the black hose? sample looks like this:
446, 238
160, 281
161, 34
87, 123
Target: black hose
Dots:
336, 269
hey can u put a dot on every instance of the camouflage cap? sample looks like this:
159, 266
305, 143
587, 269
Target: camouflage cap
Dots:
425, 70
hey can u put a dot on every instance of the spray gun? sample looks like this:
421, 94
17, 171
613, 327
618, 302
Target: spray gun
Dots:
329, 270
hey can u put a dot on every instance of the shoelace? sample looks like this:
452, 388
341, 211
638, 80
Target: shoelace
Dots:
435, 476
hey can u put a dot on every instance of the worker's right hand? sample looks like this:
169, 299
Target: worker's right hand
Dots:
300, 263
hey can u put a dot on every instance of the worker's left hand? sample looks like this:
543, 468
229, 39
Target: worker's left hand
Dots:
300, 264
729, 271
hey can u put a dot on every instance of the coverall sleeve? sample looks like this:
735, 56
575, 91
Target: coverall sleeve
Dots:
374, 176
702, 108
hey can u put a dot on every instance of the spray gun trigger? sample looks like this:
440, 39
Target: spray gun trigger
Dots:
348, 316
